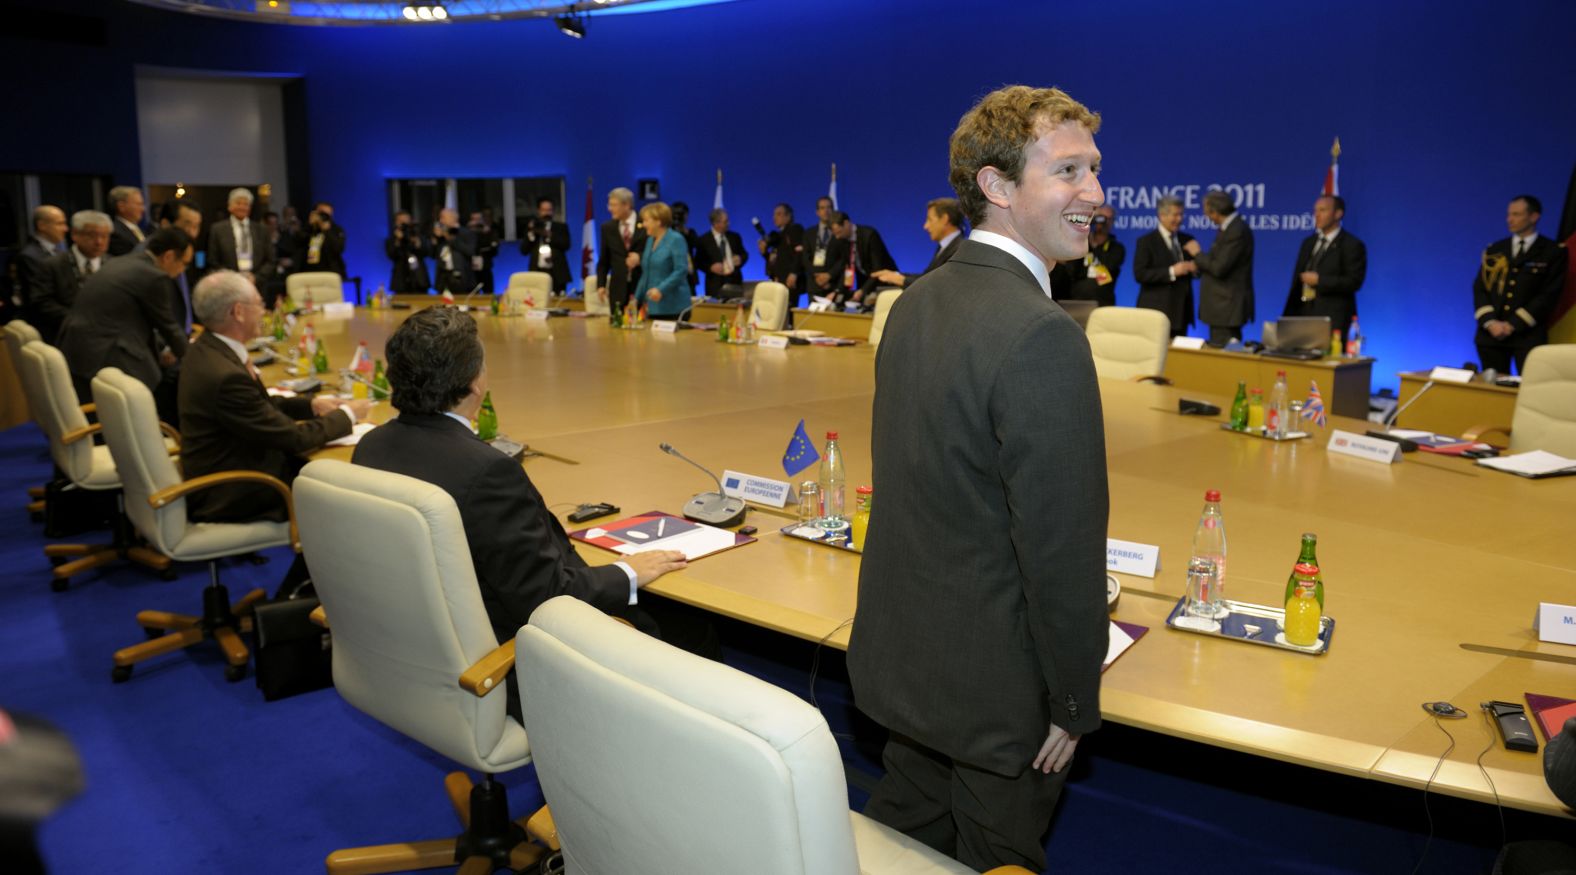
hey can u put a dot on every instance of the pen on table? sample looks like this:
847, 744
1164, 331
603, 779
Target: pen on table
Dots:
660, 525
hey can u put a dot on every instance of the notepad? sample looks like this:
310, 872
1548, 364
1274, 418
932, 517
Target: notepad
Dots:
655, 530
1534, 463
1551, 711
357, 431
1123, 636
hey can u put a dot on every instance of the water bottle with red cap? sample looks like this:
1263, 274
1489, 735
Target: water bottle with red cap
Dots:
833, 478
1207, 568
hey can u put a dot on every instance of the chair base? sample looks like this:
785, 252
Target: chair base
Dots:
491, 841
126, 545
220, 621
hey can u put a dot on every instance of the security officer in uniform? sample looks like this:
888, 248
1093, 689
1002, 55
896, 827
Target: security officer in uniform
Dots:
1518, 284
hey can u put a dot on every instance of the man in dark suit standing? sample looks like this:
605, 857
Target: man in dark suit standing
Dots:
546, 244
522, 556
407, 249
127, 207
982, 620
1226, 293
55, 285
123, 312
825, 255
228, 420
618, 258
783, 248
323, 244
944, 224
1163, 272
49, 233
1516, 289
237, 243
720, 256
452, 248
863, 253
1094, 277
1330, 267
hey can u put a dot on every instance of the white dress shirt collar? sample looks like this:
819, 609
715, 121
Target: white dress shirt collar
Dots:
1226, 222
1019, 251
235, 346
947, 240
1526, 240
49, 247
461, 420
83, 262
136, 231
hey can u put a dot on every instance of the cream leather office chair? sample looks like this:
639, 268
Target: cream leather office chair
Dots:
1545, 415
155, 497
1128, 342
596, 298
17, 335
64, 421
884, 302
654, 760
326, 287
530, 289
769, 308
390, 563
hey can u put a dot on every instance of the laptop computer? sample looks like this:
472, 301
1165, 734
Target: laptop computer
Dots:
1298, 337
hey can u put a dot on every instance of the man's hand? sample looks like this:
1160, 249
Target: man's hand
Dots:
793, 282
761, 245
1309, 278
823, 279
716, 269
654, 294
1057, 750
1499, 328
652, 564
891, 277
166, 358
359, 406
632, 261
1193, 248
1183, 268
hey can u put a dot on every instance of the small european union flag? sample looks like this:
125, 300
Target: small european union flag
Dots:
731, 483
801, 453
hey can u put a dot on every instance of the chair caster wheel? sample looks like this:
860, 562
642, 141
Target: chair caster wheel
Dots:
121, 674
168, 574
552, 864
59, 584
234, 673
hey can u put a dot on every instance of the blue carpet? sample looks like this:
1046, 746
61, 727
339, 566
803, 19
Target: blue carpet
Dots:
189, 773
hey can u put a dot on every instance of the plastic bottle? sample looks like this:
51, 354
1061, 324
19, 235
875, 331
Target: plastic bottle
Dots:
1239, 407
833, 478
1209, 543
1354, 340
860, 524
1303, 610
1276, 415
303, 357
1307, 555
487, 419
1335, 343
1256, 410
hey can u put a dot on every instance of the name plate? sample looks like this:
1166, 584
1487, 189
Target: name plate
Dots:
773, 341
339, 310
1450, 375
665, 326
1555, 623
537, 315
1187, 343
761, 490
1129, 557
1364, 447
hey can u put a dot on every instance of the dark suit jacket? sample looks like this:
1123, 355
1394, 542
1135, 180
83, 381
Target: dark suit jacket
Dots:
869, 253
119, 314
1152, 261
982, 611
408, 278
462, 245
330, 256
221, 249
53, 291
836, 260
1071, 281
1225, 295
557, 240
29, 264
229, 423
612, 273
708, 253
1341, 268
520, 551
121, 240
782, 253
941, 256
1527, 296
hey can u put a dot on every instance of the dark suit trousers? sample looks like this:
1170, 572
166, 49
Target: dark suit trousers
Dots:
1220, 335
980, 818
1500, 355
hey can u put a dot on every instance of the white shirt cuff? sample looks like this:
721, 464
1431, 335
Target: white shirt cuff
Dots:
1173, 272
634, 582
348, 412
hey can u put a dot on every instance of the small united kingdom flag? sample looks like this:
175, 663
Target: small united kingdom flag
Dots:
1313, 408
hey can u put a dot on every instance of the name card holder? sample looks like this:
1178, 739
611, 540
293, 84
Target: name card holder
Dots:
1555, 624
1443, 374
339, 310
1363, 447
1187, 343
1133, 558
761, 490
664, 326
537, 315
773, 341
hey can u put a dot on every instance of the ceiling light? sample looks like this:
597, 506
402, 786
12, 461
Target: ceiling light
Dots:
424, 13
426, 10
410, 13
439, 13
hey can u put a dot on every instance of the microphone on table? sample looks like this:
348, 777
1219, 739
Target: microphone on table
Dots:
465, 302
712, 508
1396, 412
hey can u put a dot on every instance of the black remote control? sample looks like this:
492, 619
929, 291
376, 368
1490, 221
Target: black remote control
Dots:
1514, 729
592, 511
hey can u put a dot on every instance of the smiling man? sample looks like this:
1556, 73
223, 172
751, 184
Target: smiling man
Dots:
982, 616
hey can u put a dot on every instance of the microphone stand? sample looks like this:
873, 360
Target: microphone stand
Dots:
712, 508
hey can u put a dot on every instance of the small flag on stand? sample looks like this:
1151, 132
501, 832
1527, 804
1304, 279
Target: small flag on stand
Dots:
831, 192
801, 453
1332, 176
361, 361
588, 236
716, 202
1313, 408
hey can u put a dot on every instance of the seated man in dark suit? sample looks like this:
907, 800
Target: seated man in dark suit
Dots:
720, 255
944, 224
54, 287
228, 420
522, 555
864, 253
49, 232
121, 315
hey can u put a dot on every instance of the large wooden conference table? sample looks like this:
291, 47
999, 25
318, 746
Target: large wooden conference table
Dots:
1434, 567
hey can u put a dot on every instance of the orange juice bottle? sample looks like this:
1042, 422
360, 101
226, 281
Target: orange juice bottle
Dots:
1256, 410
861, 521
1303, 612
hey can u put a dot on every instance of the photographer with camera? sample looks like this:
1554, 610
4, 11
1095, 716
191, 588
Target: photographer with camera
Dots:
487, 244
408, 251
546, 244
325, 242
453, 247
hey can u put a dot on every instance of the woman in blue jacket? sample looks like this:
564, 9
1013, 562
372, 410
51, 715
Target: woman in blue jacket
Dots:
663, 265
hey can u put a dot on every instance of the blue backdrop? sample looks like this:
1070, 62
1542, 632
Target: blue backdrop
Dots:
1444, 109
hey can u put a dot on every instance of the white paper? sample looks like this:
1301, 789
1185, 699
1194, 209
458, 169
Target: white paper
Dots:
1443, 374
1555, 623
356, 432
698, 542
1187, 343
339, 310
1531, 462
1130, 557
1410, 434
1120, 641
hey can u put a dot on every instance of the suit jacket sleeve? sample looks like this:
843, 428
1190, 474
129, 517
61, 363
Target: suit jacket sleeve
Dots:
560, 241
215, 259
602, 255
1224, 255
250, 417
880, 258
529, 561
47, 282
1114, 255
1350, 269
1541, 300
1051, 432
155, 304
1148, 269
1482, 303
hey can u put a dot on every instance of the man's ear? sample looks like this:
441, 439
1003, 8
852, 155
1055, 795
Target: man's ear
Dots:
996, 187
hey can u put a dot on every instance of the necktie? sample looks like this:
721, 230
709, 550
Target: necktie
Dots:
826, 234
243, 246
1176, 248
727, 253
628, 236
1318, 251
88, 268
1521, 246
853, 262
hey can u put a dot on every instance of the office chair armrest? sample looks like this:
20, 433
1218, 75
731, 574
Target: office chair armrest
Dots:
77, 434
319, 616
540, 826
1152, 378
89, 407
219, 478
1009, 870
172, 434
489, 671
1476, 432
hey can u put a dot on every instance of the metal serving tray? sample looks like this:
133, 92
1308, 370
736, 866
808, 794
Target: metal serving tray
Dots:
839, 541
1255, 624
1262, 435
